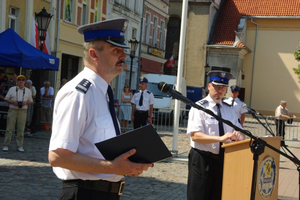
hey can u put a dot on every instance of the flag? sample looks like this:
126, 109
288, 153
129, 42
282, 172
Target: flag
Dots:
171, 62
46, 44
34, 36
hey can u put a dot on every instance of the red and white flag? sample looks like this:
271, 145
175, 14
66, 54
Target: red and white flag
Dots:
171, 62
34, 38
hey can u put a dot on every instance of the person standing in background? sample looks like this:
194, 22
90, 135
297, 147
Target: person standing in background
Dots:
236, 103
282, 114
47, 94
142, 105
63, 82
18, 97
125, 114
29, 85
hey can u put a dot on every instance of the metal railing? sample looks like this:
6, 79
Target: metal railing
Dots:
163, 122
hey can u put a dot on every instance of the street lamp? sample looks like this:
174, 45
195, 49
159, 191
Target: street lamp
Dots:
43, 20
133, 46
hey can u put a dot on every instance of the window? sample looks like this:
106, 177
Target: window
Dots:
84, 12
96, 11
147, 29
136, 6
68, 10
154, 32
162, 35
134, 31
13, 18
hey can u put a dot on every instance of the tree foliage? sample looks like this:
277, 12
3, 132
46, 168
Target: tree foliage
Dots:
297, 57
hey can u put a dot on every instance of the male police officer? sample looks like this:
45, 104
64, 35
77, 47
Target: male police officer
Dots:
236, 103
142, 105
83, 116
205, 165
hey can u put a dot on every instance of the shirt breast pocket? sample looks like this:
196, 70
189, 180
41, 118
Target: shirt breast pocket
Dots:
104, 122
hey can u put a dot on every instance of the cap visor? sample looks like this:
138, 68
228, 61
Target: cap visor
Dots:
215, 83
123, 45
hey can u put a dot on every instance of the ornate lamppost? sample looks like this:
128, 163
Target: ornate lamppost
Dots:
133, 46
43, 20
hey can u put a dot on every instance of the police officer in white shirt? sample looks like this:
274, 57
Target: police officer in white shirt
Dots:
142, 105
205, 165
236, 103
82, 117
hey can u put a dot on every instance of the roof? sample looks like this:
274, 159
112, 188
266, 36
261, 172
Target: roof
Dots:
232, 10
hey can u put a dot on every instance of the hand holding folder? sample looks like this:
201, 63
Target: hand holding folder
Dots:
149, 146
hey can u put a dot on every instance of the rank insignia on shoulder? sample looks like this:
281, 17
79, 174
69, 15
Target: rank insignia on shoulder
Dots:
203, 101
83, 86
148, 92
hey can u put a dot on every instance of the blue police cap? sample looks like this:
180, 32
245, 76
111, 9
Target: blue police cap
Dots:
218, 77
143, 79
235, 88
111, 31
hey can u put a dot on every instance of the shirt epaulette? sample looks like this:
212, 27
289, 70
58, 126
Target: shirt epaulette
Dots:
83, 86
228, 104
148, 92
203, 101
137, 91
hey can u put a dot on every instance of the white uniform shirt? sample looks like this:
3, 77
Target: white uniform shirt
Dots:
148, 99
81, 120
237, 106
46, 102
16, 94
200, 121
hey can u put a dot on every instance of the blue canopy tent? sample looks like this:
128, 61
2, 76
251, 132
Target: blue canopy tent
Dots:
16, 52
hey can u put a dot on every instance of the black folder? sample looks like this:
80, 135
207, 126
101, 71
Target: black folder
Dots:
149, 146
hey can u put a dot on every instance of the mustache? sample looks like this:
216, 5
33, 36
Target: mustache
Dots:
120, 62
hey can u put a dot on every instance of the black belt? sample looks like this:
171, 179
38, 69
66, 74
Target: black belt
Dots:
100, 185
207, 153
142, 111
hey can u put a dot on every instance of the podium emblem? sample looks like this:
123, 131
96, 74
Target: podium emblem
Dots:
266, 177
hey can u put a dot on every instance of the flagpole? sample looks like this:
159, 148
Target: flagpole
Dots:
179, 74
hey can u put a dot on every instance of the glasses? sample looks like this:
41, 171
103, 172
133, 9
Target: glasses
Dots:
20, 79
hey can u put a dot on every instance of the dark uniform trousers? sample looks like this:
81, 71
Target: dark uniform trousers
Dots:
140, 118
205, 170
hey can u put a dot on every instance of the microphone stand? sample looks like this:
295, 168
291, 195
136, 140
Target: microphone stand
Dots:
257, 146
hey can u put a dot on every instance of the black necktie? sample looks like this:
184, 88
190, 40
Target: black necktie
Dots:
221, 132
141, 99
232, 102
112, 109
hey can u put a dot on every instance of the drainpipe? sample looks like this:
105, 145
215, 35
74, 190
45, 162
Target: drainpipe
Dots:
57, 38
253, 64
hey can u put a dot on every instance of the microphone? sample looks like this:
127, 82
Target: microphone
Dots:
164, 87
250, 110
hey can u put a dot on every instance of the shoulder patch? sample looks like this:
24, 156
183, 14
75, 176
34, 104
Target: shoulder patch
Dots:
83, 86
226, 103
148, 92
203, 101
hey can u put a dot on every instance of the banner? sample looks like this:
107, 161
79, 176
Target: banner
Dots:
171, 62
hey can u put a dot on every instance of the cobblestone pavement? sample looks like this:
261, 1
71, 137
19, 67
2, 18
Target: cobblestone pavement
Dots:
29, 176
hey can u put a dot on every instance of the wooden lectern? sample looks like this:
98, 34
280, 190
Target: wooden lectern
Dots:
238, 169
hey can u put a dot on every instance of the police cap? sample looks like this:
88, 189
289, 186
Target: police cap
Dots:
143, 79
218, 77
111, 31
235, 88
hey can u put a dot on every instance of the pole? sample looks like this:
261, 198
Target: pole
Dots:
132, 57
179, 73
35, 122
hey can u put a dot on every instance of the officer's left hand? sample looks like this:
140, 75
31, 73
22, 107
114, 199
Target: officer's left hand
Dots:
237, 136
